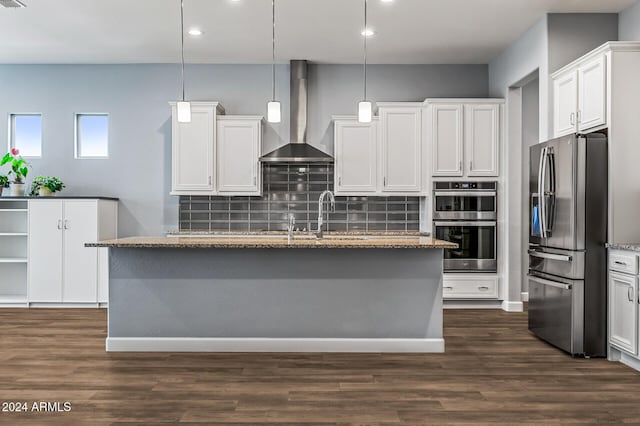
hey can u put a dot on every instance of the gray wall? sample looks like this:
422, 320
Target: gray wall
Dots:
136, 96
629, 24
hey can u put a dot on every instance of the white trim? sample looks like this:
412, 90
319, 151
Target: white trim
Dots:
222, 344
11, 134
76, 139
509, 306
471, 304
524, 296
62, 305
628, 46
630, 361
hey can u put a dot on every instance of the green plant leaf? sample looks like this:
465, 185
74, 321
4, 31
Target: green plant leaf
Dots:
24, 171
7, 157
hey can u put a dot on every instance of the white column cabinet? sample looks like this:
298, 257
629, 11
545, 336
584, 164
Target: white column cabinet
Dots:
447, 139
401, 143
623, 312
239, 145
464, 137
61, 269
580, 96
482, 138
193, 150
356, 156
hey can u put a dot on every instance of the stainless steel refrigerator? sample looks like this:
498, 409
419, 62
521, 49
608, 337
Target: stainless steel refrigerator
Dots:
567, 235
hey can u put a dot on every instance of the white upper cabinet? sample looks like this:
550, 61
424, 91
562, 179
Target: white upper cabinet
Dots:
592, 94
193, 150
565, 90
239, 145
446, 139
356, 156
579, 96
482, 137
401, 141
464, 136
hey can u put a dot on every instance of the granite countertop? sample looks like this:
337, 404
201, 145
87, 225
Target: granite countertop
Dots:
62, 197
275, 241
299, 233
624, 246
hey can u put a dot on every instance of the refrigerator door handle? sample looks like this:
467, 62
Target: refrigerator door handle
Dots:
551, 256
541, 200
552, 191
550, 283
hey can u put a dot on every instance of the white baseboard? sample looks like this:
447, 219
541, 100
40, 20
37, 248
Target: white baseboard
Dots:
630, 361
524, 296
63, 305
199, 344
509, 306
472, 304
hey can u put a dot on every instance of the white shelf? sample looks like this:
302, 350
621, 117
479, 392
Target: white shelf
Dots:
13, 234
14, 210
13, 260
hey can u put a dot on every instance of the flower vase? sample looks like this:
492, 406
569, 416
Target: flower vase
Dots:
17, 189
43, 191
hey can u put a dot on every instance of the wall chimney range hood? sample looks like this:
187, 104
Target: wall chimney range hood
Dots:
298, 150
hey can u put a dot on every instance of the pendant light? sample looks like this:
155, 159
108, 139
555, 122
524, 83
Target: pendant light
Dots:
183, 107
274, 111
365, 107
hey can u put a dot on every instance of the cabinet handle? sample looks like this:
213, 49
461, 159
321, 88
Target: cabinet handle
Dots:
66, 224
339, 180
617, 262
470, 165
572, 118
60, 224
460, 165
384, 181
630, 294
255, 182
448, 287
579, 116
209, 180
483, 288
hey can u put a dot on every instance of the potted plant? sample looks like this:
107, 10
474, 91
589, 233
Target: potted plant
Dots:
19, 170
4, 183
46, 186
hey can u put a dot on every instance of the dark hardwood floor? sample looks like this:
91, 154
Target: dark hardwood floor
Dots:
493, 371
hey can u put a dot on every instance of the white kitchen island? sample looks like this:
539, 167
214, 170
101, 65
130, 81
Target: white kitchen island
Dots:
268, 294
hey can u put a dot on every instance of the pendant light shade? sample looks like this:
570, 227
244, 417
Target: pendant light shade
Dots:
183, 107
274, 109
365, 107
365, 111
274, 114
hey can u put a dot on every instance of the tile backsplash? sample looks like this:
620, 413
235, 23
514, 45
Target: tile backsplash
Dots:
295, 189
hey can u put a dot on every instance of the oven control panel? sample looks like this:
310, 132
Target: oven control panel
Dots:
466, 186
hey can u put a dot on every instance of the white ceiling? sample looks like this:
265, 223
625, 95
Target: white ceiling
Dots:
323, 31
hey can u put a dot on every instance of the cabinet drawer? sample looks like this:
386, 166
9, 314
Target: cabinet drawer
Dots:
623, 261
470, 288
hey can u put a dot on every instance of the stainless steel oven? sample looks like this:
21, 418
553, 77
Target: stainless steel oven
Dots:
465, 213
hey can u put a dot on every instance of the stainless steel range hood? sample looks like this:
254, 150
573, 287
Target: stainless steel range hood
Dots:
298, 150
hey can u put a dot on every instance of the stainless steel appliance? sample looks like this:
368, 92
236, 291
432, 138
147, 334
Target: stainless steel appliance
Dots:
466, 213
567, 235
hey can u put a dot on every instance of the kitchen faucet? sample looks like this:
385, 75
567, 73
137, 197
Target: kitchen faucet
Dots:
320, 202
292, 221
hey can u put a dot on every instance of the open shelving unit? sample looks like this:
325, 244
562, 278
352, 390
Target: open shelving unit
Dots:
13, 252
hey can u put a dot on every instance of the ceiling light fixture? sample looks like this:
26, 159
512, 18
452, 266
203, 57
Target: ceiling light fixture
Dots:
365, 107
368, 32
274, 110
183, 107
386, 1
195, 32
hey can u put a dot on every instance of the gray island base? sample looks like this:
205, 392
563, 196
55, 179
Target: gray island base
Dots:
275, 300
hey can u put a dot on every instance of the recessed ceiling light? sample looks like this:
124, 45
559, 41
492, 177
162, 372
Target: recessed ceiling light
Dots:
386, 1
195, 32
368, 32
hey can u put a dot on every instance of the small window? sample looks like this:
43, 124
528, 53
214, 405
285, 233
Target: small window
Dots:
92, 135
25, 134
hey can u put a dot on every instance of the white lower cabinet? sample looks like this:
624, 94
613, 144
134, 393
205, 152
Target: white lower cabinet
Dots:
623, 301
60, 268
470, 286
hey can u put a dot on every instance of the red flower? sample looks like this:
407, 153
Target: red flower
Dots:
15, 151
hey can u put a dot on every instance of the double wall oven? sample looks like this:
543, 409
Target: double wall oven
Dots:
466, 213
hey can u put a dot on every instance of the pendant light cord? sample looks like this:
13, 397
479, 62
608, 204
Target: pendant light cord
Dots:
182, 42
273, 49
365, 50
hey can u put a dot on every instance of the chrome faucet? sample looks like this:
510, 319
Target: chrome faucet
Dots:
292, 221
320, 202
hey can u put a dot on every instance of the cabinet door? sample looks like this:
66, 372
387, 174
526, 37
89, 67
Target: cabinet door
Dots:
192, 152
45, 251
356, 146
238, 165
623, 312
592, 94
482, 138
401, 149
447, 139
565, 101
80, 263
